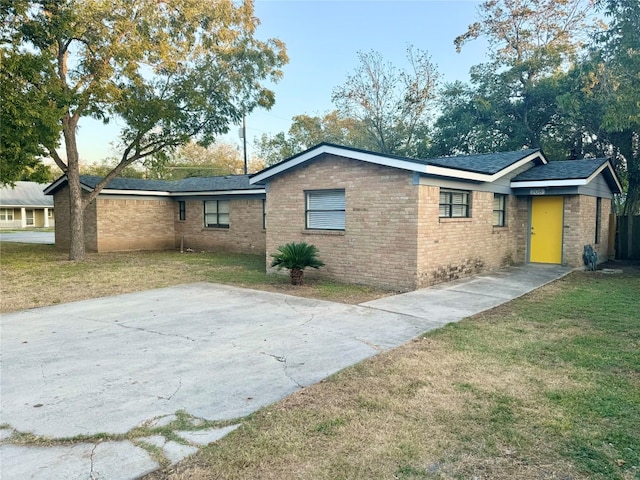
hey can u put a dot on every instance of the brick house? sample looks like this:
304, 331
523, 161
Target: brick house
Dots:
207, 213
405, 223
376, 219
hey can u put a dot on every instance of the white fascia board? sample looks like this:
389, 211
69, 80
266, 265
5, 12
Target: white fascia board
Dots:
252, 191
518, 164
55, 185
392, 162
14, 206
549, 183
341, 152
146, 193
606, 165
156, 193
459, 174
483, 177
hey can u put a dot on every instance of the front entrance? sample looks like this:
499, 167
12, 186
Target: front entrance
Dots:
545, 240
29, 218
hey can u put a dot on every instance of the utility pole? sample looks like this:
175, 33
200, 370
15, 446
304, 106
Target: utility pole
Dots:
244, 142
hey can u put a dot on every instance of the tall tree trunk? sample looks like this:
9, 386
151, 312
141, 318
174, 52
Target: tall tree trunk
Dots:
76, 207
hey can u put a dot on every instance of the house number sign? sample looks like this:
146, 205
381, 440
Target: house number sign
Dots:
536, 191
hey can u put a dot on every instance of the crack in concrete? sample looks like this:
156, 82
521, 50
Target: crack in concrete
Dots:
377, 348
285, 366
173, 394
309, 320
141, 329
184, 337
93, 451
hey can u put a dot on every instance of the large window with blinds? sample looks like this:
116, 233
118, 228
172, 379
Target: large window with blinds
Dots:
325, 209
454, 204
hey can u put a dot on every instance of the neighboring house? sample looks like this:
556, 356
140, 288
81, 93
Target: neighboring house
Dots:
25, 206
404, 223
207, 213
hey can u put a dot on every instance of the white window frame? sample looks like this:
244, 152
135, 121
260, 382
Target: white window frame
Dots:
6, 214
325, 209
214, 217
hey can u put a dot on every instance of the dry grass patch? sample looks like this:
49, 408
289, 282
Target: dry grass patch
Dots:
542, 388
41, 275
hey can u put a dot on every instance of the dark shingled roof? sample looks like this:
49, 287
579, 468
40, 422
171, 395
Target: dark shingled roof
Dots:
489, 163
562, 170
196, 184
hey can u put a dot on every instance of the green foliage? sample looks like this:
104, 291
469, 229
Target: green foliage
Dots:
168, 73
393, 105
307, 131
28, 118
107, 165
295, 257
194, 160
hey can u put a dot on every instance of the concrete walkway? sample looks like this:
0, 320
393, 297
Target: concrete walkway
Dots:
28, 236
210, 351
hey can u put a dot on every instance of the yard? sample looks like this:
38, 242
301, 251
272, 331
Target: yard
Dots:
544, 387
40, 275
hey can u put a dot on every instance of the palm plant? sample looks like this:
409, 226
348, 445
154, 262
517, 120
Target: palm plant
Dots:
296, 257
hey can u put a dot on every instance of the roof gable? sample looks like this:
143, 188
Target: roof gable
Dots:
568, 173
482, 168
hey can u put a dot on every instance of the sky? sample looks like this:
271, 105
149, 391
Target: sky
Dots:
322, 39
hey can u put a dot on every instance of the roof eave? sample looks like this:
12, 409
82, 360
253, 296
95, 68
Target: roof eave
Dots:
329, 149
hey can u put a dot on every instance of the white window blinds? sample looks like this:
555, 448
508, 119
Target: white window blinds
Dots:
325, 209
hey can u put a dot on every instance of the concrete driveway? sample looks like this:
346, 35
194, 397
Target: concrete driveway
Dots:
28, 236
215, 352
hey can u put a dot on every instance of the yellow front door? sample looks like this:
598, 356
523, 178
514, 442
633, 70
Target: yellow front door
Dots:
545, 245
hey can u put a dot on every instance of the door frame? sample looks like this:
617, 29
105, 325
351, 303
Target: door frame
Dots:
529, 226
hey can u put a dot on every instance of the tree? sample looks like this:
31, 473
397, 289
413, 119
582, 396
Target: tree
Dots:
307, 131
103, 168
619, 82
512, 100
169, 70
392, 105
24, 124
193, 160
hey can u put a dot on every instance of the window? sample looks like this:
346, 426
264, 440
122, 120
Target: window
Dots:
598, 221
264, 214
6, 214
499, 210
325, 210
216, 214
182, 209
454, 204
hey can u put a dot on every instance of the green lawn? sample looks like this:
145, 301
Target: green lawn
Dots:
545, 387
